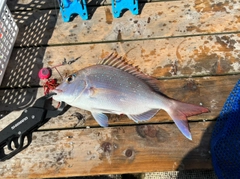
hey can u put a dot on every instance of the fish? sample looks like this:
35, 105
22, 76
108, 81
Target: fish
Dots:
117, 87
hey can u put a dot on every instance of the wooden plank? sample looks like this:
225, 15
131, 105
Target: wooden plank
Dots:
161, 58
210, 92
168, 40
157, 20
135, 149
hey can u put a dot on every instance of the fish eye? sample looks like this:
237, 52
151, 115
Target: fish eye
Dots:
70, 78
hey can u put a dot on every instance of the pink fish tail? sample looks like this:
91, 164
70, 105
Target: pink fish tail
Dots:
179, 112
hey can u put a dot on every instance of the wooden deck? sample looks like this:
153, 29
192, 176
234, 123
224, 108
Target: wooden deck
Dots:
191, 46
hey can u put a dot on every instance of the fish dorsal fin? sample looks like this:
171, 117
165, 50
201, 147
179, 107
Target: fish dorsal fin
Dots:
119, 62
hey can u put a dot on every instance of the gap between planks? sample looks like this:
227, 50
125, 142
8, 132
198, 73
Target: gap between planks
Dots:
211, 92
116, 150
162, 58
157, 20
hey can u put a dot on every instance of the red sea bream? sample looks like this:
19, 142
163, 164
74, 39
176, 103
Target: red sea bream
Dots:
114, 86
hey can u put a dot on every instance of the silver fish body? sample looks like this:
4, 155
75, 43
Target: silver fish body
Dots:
113, 86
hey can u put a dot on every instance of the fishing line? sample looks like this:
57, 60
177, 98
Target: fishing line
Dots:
45, 73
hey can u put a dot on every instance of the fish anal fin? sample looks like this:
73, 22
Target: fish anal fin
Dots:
120, 63
143, 116
101, 118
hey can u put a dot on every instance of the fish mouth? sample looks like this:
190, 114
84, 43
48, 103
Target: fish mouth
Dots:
56, 91
50, 94
56, 94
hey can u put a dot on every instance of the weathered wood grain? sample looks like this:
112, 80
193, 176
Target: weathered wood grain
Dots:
192, 47
157, 20
210, 92
114, 150
161, 58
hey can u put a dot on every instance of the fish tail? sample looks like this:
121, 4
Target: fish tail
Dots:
179, 112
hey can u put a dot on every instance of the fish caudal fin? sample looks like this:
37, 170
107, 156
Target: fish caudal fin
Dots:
180, 111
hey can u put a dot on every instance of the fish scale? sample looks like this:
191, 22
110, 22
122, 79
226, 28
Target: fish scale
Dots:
114, 86
122, 82
123, 85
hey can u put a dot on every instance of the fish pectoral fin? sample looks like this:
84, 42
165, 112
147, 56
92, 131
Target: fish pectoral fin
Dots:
143, 116
101, 118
